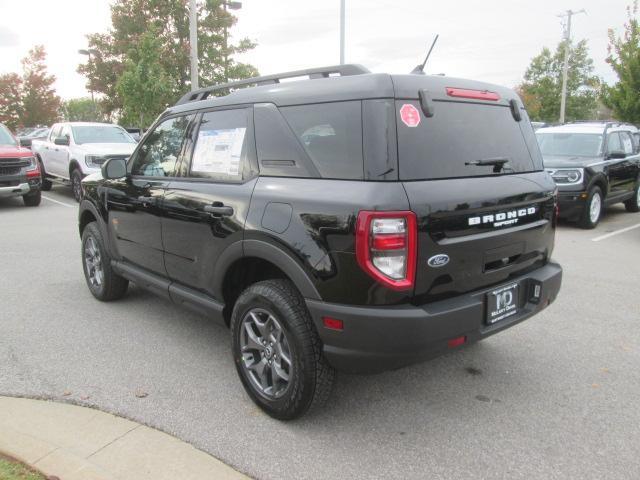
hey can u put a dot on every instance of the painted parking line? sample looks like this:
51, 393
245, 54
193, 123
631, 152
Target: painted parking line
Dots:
58, 202
617, 232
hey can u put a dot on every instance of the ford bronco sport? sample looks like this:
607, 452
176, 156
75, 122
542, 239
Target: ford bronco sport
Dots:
594, 164
350, 221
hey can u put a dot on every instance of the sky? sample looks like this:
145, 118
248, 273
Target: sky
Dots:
492, 40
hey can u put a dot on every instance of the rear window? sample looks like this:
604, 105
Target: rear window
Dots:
461, 133
331, 134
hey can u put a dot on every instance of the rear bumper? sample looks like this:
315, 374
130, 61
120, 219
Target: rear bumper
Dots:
15, 191
385, 338
571, 204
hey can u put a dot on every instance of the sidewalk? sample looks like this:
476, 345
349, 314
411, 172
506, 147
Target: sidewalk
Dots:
78, 443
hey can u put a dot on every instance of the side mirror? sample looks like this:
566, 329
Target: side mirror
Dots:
114, 168
25, 142
616, 154
62, 141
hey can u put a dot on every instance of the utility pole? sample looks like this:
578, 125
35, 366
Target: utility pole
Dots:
193, 43
342, 15
565, 67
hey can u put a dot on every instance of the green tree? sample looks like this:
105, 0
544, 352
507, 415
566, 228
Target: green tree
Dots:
11, 100
131, 19
624, 57
82, 110
144, 86
542, 86
40, 104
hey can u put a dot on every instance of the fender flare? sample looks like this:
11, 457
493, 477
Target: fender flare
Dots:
86, 205
270, 253
600, 178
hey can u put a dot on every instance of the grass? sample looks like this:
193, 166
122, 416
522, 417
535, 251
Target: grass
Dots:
13, 470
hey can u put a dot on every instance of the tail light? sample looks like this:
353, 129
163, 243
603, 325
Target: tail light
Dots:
386, 247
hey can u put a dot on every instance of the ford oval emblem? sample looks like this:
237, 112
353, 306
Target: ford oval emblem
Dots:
439, 260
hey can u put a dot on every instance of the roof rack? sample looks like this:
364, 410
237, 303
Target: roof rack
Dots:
311, 73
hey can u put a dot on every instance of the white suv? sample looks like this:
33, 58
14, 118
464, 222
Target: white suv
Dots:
75, 149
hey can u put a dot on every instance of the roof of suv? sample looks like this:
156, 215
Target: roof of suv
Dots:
588, 127
356, 84
89, 124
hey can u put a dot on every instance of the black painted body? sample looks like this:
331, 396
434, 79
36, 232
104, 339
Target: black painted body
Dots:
616, 177
160, 235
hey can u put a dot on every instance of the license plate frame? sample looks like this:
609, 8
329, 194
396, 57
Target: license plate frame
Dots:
502, 303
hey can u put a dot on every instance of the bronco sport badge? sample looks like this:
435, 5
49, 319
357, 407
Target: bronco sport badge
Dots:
504, 218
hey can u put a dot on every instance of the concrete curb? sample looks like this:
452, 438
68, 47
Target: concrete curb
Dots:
78, 443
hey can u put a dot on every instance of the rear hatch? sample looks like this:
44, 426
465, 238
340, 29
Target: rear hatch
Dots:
474, 177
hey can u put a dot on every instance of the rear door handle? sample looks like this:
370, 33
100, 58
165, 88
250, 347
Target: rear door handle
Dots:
223, 210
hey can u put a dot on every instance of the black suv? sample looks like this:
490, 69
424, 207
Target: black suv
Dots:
351, 221
594, 164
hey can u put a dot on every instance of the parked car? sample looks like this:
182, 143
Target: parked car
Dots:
595, 165
36, 134
337, 222
19, 172
136, 133
75, 149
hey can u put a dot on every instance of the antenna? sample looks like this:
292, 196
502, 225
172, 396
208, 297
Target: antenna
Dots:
419, 70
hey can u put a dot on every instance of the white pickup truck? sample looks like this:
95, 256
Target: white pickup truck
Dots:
73, 150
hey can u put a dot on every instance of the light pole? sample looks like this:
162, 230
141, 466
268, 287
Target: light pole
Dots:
89, 52
193, 40
565, 66
342, 20
232, 6
193, 43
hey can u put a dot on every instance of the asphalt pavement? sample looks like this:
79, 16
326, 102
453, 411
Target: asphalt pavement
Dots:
554, 397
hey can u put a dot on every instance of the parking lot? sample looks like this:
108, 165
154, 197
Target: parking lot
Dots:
555, 397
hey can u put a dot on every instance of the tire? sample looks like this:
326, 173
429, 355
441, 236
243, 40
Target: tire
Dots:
76, 186
32, 199
590, 218
46, 184
279, 305
633, 204
103, 282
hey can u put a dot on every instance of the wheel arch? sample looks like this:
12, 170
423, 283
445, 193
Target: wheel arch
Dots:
254, 261
74, 164
601, 182
89, 213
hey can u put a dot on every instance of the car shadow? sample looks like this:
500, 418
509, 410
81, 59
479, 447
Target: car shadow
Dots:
12, 203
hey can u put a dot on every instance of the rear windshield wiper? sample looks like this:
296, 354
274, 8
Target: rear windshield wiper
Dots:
497, 163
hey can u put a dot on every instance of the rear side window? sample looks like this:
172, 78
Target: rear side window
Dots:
331, 134
459, 133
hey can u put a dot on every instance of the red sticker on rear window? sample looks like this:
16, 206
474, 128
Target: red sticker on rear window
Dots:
410, 115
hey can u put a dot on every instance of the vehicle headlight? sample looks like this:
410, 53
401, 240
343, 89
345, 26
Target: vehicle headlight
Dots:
567, 176
94, 161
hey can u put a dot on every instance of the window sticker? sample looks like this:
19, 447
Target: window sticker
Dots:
218, 151
410, 115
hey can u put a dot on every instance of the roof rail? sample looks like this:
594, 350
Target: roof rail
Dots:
311, 73
607, 123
